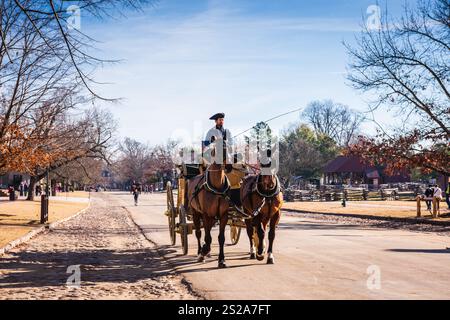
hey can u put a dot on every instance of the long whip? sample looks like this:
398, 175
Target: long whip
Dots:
271, 119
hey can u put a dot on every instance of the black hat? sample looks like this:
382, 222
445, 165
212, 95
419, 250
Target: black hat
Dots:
217, 116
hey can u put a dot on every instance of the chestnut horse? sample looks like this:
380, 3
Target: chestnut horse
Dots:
208, 202
262, 198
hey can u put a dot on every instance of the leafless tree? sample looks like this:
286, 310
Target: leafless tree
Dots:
161, 161
335, 120
84, 171
134, 161
143, 163
43, 61
48, 22
407, 64
70, 140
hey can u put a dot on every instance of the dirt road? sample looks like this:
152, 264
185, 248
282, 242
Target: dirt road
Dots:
100, 254
314, 259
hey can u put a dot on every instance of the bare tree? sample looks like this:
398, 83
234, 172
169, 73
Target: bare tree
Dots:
42, 60
84, 171
161, 162
71, 140
335, 120
406, 62
143, 163
48, 21
134, 161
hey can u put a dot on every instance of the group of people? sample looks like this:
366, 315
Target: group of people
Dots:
434, 191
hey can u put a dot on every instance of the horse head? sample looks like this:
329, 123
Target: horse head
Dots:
268, 182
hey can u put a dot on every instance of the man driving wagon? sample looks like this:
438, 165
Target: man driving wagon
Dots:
210, 193
235, 169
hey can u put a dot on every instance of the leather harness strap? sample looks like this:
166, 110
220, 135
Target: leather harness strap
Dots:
266, 196
222, 193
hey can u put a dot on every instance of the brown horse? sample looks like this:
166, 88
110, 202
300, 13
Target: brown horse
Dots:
261, 197
207, 200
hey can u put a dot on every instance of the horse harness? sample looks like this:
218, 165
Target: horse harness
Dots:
222, 193
268, 195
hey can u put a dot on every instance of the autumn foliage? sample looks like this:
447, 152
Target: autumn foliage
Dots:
404, 152
20, 151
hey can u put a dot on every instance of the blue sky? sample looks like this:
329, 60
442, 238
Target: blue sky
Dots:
252, 59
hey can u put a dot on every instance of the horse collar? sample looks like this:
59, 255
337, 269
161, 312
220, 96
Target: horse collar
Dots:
270, 193
211, 189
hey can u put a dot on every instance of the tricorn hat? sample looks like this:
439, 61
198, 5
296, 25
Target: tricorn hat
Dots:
217, 116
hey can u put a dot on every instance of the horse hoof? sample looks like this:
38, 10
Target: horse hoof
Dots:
270, 261
222, 264
260, 257
252, 256
201, 258
208, 255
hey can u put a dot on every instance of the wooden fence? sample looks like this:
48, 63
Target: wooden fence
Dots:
349, 194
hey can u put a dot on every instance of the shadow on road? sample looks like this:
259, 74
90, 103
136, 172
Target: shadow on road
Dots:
48, 268
318, 226
182, 263
420, 250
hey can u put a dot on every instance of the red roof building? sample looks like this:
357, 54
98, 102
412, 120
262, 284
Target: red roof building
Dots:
352, 171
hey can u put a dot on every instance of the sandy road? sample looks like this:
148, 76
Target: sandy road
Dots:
111, 256
315, 259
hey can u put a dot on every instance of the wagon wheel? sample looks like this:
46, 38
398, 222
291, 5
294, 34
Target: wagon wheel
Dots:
235, 234
184, 230
171, 214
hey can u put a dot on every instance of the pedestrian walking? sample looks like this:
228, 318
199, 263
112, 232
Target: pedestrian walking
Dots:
136, 190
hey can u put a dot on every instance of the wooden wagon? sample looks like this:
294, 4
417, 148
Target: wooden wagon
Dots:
179, 214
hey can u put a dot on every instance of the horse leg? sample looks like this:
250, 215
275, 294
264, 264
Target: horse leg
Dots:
273, 225
249, 227
198, 234
223, 224
261, 233
207, 223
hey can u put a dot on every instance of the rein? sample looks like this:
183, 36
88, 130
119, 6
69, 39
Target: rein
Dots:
222, 193
265, 195
211, 189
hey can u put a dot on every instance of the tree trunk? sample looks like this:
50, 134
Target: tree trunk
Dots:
31, 188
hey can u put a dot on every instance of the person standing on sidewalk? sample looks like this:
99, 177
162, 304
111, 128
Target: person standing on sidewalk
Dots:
438, 196
429, 194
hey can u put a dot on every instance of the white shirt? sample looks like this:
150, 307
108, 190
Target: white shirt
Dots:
214, 132
219, 135
437, 192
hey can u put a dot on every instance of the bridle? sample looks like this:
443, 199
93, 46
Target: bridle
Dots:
265, 196
222, 193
